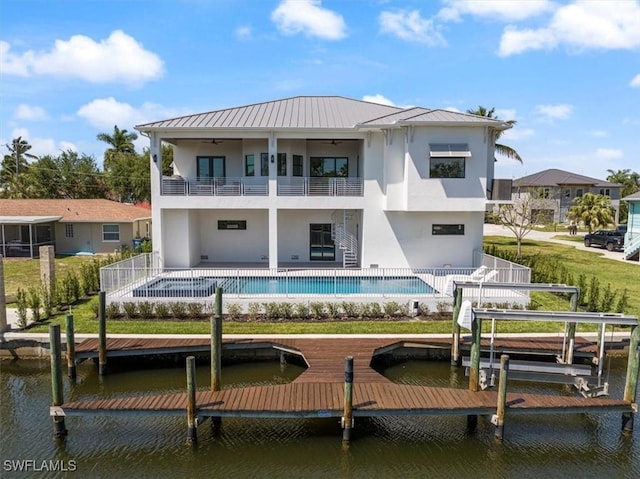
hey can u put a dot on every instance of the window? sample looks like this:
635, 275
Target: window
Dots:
110, 233
567, 192
447, 160
232, 224
546, 192
446, 167
211, 166
282, 164
68, 231
264, 164
579, 192
330, 167
297, 165
438, 230
249, 165
605, 191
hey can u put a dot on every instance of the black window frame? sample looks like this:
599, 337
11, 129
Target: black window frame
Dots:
252, 171
212, 163
297, 165
264, 164
438, 166
228, 225
282, 164
329, 172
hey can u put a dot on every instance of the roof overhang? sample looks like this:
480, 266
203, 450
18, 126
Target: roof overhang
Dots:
17, 220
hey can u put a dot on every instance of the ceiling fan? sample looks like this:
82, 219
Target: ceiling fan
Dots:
213, 141
332, 142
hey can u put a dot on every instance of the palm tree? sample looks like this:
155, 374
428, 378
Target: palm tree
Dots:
592, 210
13, 166
501, 149
121, 142
630, 181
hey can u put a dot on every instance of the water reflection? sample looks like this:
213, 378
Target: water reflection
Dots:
579, 445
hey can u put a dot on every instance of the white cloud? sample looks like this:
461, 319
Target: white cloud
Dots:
30, 113
243, 32
310, 18
636, 81
411, 26
494, 9
378, 98
118, 59
580, 25
43, 146
107, 112
516, 133
555, 112
599, 133
506, 114
609, 153
452, 108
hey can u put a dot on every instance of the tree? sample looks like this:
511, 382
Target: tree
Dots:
630, 182
121, 143
592, 210
520, 216
501, 149
13, 165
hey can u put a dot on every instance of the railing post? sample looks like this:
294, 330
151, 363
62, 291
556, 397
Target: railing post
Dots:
571, 330
216, 342
631, 383
347, 418
192, 433
71, 348
102, 334
455, 334
59, 428
498, 419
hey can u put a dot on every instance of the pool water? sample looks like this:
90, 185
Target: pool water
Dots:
325, 285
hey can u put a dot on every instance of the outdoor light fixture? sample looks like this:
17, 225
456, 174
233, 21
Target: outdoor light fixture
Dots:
273, 160
155, 158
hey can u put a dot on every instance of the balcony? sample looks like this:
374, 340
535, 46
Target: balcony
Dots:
225, 186
320, 186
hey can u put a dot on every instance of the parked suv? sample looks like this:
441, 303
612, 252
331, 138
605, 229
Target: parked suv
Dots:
610, 239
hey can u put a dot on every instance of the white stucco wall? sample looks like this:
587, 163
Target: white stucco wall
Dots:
404, 239
294, 235
87, 238
249, 245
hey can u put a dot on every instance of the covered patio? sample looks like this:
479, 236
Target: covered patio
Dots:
22, 236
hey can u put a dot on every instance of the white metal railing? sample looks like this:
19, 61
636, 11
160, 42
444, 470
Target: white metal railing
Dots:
143, 279
224, 186
631, 244
508, 272
320, 186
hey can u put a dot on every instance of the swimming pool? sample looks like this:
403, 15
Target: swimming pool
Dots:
312, 285
283, 285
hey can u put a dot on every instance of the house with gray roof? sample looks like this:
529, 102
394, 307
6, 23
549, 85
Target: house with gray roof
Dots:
322, 180
557, 189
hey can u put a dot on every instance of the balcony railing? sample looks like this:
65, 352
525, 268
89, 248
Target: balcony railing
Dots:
226, 186
312, 186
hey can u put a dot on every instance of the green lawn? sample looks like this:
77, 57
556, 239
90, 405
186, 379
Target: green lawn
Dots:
25, 273
619, 274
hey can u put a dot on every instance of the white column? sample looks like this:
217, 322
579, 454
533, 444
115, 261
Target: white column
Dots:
155, 162
273, 237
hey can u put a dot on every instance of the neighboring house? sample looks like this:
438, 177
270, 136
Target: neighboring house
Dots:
556, 190
322, 181
72, 226
632, 237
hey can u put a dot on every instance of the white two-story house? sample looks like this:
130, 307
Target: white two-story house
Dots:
322, 181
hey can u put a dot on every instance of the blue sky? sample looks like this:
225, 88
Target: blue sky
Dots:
567, 71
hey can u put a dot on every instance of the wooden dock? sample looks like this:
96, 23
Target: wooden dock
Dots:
320, 391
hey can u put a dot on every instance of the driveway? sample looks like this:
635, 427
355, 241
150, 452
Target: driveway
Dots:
499, 230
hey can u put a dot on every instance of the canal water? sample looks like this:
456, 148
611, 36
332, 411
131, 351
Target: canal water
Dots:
540, 446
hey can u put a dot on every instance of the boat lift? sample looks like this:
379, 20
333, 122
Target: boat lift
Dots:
482, 372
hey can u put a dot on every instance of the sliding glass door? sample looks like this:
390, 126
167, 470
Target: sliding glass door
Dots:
321, 246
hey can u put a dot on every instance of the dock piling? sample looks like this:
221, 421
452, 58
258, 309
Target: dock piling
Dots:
455, 333
347, 418
498, 419
59, 429
476, 336
216, 351
631, 383
192, 434
102, 334
71, 347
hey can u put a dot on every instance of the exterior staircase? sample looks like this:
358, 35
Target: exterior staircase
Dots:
343, 239
632, 247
